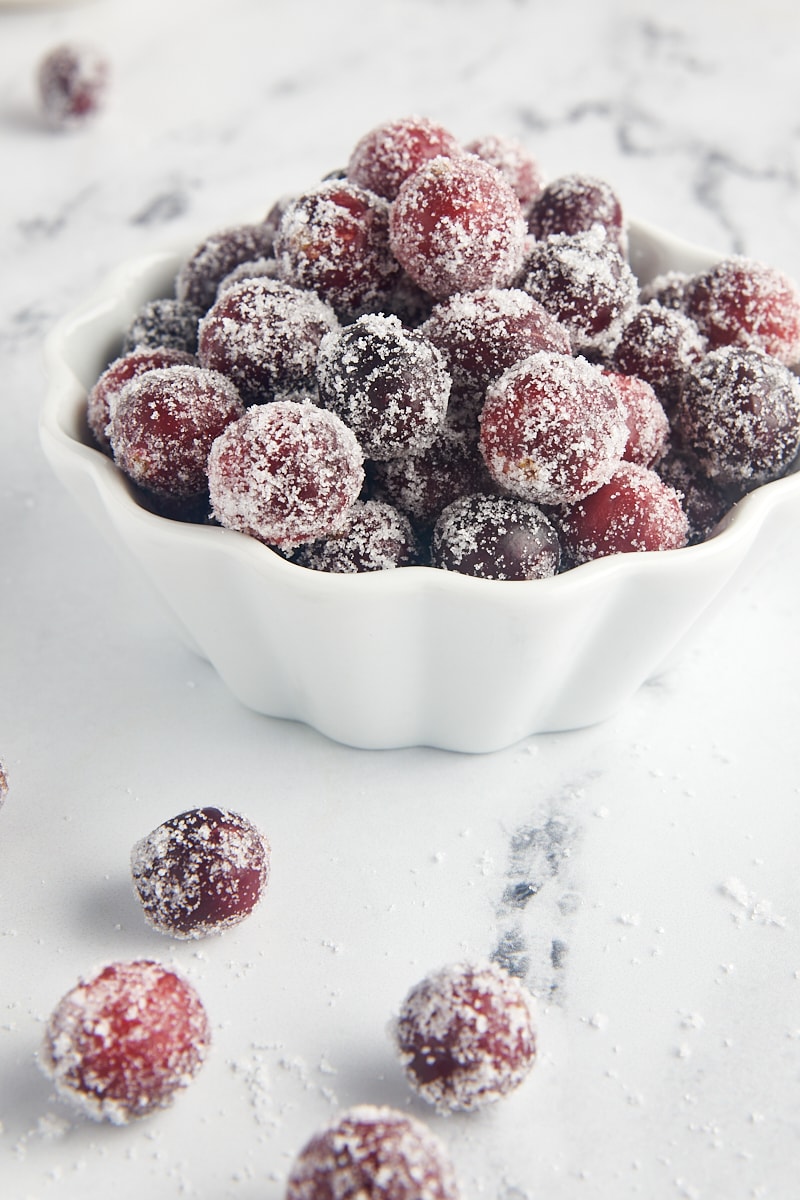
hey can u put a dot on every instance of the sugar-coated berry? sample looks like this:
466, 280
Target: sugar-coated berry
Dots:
169, 322
465, 1036
385, 157
573, 204
201, 872
745, 303
456, 225
739, 416
216, 256
163, 425
660, 345
552, 429
103, 395
514, 161
496, 537
3, 783
386, 382
633, 512
264, 334
334, 240
584, 281
483, 333
668, 290
376, 537
72, 80
704, 503
648, 424
285, 473
123, 1043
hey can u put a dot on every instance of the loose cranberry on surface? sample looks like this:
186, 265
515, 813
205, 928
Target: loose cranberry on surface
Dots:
648, 425
552, 429
514, 161
334, 240
373, 1153
216, 256
573, 204
376, 537
103, 396
496, 537
456, 225
72, 80
465, 1035
385, 157
745, 303
122, 1044
387, 383
164, 423
3, 783
285, 473
634, 511
201, 872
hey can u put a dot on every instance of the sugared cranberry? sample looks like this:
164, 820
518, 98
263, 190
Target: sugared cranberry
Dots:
201, 872
335, 241
659, 345
483, 333
744, 303
265, 336
704, 503
285, 473
456, 225
387, 383
385, 157
170, 323
465, 1035
373, 1153
514, 161
739, 415
163, 424
103, 396
648, 425
376, 537
72, 80
573, 204
583, 280
496, 537
552, 429
634, 511
216, 256
668, 290
123, 1043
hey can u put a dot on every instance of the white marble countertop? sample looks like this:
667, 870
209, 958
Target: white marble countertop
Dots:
663, 942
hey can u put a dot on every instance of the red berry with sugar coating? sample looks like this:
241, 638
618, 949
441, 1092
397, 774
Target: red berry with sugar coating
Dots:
334, 240
105, 392
465, 1036
385, 157
456, 226
573, 204
496, 537
123, 1043
376, 537
163, 425
483, 333
660, 345
216, 256
285, 473
373, 1153
633, 512
552, 429
72, 80
514, 161
201, 872
648, 424
745, 303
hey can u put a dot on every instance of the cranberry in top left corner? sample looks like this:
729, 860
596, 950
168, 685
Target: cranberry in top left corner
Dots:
72, 81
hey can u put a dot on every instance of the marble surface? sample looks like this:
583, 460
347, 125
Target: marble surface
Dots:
641, 875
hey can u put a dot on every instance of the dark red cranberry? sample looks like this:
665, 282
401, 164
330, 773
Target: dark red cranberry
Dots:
73, 80
285, 473
200, 872
704, 503
169, 323
648, 425
387, 383
659, 345
122, 1044
573, 204
744, 303
634, 511
103, 396
376, 537
668, 290
216, 256
372, 1153
163, 424
335, 241
552, 429
456, 225
385, 157
496, 537
465, 1036
514, 161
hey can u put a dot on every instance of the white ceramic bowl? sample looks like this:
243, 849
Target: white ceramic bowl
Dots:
414, 656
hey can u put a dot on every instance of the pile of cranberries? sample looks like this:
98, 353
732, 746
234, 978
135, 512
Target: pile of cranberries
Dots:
433, 356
